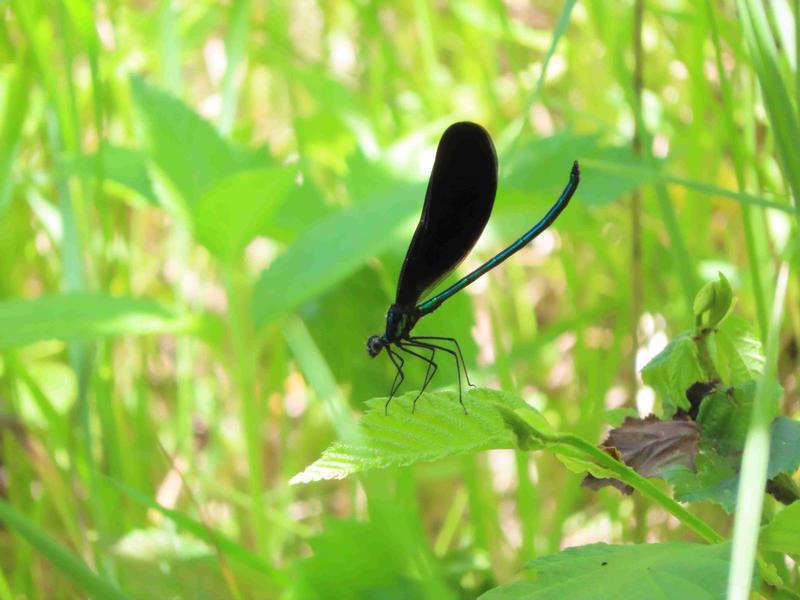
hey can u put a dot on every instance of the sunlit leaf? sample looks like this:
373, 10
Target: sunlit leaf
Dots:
330, 251
672, 371
740, 353
189, 153
85, 316
234, 209
439, 428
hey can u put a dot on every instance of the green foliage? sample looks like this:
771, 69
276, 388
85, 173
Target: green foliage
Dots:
713, 303
349, 239
670, 570
81, 316
782, 534
234, 209
438, 429
70, 564
353, 559
160, 386
741, 358
672, 371
188, 152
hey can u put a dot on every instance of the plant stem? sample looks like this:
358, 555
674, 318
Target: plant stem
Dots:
244, 357
753, 477
627, 475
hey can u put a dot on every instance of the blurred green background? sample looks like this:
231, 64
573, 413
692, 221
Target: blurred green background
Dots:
204, 207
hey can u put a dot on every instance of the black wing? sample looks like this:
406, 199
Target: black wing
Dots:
457, 206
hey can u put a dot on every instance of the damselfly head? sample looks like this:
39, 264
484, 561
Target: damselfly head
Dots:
374, 345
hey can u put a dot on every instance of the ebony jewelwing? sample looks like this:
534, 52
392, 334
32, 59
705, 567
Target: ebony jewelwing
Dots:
457, 206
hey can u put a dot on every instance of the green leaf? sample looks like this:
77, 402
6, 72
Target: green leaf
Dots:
84, 316
717, 478
671, 570
784, 447
234, 209
782, 534
672, 371
716, 481
330, 251
725, 416
190, 154
61, 558
713, 302
125, 167
353, 560
439, 428
541, 167
741, 357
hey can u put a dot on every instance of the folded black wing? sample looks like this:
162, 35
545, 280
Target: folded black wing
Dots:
457, 206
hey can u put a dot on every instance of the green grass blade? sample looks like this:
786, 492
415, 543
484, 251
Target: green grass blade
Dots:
84, 316
69, 564
755, 458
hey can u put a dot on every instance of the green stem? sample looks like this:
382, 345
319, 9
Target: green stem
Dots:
755, 458
244, 356
737, 156
704, 355
627, 475
566, 444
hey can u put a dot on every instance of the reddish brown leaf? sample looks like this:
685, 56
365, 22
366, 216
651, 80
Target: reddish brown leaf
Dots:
648, 445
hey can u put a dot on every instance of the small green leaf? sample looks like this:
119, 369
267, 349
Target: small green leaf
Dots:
234, 209
713, 303
704, 299
717, 479
740, 355
725, 416
439, 428
782, 534
671, 570
784, 447
84, 316
672, 371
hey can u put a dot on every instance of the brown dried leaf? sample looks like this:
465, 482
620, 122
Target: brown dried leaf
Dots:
648, 445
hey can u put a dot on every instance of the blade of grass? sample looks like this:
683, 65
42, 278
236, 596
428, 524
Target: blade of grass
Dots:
737, 156
653, 175
755, 457
318, 373
11, 122
61, 558
511, 136
782, 115
235, 51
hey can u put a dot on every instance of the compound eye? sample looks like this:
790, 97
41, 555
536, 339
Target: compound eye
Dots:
374, 345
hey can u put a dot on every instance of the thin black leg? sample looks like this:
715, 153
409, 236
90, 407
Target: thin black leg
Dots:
458, 348
395, 384
416, 343
428, 374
